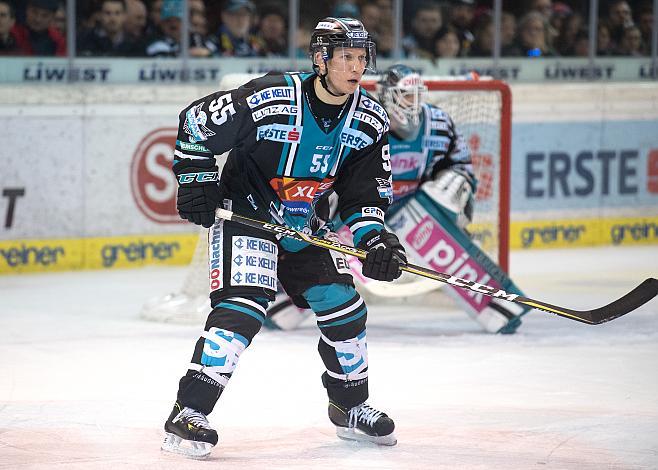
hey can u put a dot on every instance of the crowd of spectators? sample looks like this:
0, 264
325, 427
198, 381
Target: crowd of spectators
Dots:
244, 28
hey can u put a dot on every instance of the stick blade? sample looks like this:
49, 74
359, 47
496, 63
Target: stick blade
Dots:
629, 302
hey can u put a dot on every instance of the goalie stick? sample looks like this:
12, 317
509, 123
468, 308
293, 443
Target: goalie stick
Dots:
643, 293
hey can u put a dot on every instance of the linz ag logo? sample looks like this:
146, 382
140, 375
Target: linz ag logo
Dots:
152, 182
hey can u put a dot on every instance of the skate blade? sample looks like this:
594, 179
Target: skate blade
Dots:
356, 435
191, 449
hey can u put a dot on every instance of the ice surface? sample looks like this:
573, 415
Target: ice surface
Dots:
85, 384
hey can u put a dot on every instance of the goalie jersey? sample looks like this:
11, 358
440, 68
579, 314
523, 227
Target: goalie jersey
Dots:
284, 160
436, 146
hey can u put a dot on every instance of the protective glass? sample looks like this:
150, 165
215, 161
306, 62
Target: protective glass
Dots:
350, 56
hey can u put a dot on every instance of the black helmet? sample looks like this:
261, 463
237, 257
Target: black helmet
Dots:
331, 33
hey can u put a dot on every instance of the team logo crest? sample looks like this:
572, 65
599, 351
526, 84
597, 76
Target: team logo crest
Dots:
195, 124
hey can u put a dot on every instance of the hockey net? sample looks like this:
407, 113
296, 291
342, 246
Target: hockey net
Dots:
481, 110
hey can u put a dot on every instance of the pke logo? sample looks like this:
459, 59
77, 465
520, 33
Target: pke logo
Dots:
152, 182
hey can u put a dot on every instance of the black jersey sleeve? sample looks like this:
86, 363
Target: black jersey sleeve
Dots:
220, 121
365, 190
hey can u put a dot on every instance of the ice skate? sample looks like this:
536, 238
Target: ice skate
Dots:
363, 423
188, 433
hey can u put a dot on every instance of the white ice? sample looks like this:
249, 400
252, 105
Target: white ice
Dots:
85, 384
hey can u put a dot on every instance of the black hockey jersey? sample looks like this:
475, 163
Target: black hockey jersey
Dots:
284, 159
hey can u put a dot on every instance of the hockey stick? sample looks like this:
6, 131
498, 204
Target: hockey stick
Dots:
643, 293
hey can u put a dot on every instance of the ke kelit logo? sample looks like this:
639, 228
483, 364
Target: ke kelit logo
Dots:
152, 182
270, 94
483, 166
442, 253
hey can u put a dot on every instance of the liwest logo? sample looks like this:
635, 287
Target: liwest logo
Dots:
270, 94
152, 182
137, 252
279, 133
441, 252
31, 255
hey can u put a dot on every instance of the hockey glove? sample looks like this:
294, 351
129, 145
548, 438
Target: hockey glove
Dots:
198, 191
385, 255
454, 190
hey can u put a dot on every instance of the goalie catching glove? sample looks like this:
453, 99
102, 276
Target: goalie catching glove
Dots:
453, 189
385, 255
198, 191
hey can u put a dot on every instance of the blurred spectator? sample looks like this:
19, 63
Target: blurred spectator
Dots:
483, 43
201, 44
135, 24
167, 44
631, 42
154, 18
545, 9
560, 12
345, 9
8, 44
446, 43
304, 37
532, 36
508, 46
273, 31
580, 47
37, 37
108, 38
426, 22
461, 18
603, 42
567, 37
645, 23
619, 16
235, 40
385, 43
59, 21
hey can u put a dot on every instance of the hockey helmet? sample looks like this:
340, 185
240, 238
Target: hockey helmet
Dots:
331, 35
401, 90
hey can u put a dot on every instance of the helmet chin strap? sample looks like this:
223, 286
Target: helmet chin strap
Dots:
323, 82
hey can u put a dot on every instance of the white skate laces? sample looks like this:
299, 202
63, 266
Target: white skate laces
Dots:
194, 417
364, 413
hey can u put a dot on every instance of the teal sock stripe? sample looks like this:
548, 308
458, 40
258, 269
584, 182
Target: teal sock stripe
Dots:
242, 309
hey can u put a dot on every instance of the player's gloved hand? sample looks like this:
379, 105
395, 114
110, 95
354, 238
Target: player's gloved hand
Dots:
385, 255
198, 191
454, 189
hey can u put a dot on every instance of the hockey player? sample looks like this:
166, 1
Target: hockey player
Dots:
434, 188
295, 138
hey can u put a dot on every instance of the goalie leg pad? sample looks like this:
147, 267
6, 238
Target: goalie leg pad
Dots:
433, 239
341, 315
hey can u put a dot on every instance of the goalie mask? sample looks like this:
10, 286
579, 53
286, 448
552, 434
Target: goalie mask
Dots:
343, 44
402, 93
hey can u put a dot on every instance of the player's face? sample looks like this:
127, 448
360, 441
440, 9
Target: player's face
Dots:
345, 68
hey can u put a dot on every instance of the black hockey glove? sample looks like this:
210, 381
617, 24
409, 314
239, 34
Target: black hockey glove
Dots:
385, 255
198, 191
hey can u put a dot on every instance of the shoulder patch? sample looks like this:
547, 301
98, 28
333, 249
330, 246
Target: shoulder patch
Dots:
267, 95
